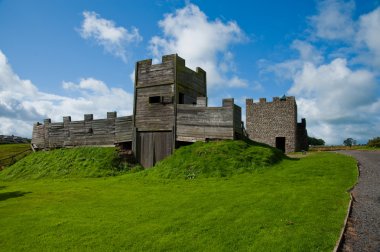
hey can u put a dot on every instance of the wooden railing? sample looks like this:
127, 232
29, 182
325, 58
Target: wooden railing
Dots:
7, 161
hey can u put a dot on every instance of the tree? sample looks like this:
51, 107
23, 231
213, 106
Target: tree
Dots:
349, 142
315, 141
374, 142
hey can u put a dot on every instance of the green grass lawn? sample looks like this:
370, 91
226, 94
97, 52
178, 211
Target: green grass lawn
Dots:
289, 205
78, 162
8, 153
366, 147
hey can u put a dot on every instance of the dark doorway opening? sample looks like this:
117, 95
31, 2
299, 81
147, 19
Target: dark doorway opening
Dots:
125, 145
280, 143
181, 98
179, 144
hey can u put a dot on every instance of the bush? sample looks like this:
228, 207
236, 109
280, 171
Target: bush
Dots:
375, 142
315, 141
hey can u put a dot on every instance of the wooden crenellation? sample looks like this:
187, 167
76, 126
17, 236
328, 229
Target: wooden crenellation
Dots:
92, 132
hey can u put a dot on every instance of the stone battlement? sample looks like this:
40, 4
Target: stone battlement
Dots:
275, 123
274, 99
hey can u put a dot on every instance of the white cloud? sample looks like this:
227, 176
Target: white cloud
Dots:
333, 98
235, 81
369, 34
96, 98
7, 76
334, 20
307, 52
132, 76
201, 42
114, 39
338, 87
88, 84
11, 126
336, 84
287, 69
257, 87
22, 104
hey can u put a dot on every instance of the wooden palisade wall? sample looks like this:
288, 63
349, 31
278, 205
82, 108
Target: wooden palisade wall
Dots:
201, 123
100, 132
169, 107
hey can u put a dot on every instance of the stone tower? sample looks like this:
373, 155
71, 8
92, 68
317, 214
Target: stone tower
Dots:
275, 123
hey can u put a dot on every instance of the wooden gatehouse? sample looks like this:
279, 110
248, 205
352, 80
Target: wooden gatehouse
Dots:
169, 110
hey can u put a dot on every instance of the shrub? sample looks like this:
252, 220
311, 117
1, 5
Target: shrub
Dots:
375, 142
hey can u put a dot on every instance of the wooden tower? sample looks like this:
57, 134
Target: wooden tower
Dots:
158, 89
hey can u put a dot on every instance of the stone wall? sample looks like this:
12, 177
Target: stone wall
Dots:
99, 132
302, 143
272, 122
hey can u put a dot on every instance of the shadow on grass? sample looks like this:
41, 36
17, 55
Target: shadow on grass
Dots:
291, 158
2, 187
286, 157
10, 195
279, 155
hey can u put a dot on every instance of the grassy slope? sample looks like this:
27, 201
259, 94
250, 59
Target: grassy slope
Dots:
217, 159
9, 150
295, 205
64, 163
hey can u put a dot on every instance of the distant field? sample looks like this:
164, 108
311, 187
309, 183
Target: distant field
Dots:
342, 147
290, 205
10, 153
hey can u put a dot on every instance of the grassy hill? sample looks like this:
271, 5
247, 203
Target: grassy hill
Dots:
245, 197
66, 163
212, 159
217, 159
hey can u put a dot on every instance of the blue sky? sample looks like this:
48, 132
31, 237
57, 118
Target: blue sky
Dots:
61, 58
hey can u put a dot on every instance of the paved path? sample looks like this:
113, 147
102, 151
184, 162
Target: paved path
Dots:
363, 226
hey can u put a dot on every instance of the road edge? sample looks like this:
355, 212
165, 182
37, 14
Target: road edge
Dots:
339, 242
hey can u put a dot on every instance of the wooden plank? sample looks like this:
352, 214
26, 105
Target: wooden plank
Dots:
205, 132
237, 120
163, 143
195, 123
123, 129
190, 83
153, 147
151, 75
160, 90
87, 132
38, 136
154, 116
204, 116
145, 149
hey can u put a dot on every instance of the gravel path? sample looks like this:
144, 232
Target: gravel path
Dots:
363, 226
